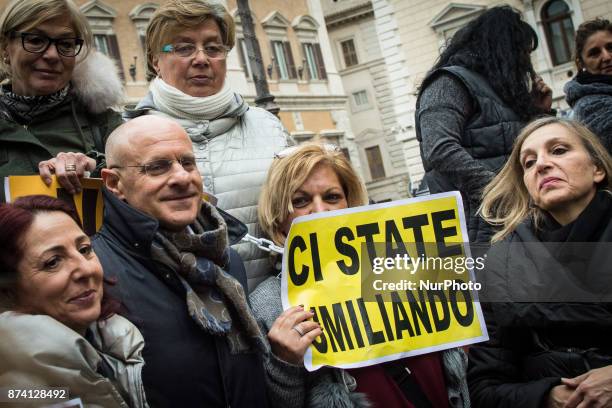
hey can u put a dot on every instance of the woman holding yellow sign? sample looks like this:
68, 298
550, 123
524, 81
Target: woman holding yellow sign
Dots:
308, 179
547, 282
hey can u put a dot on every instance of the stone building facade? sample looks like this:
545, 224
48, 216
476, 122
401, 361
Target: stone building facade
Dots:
410, 34
348, 71
358, 56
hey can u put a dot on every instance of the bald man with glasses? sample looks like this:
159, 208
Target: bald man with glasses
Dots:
177, 278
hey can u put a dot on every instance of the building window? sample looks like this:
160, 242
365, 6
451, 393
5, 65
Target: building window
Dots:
360, 101
314, 61
375, 162
285, 68
101, 18
360, 98
141, 15
244, 59
557, 22
349, 53
107, 45
346, 154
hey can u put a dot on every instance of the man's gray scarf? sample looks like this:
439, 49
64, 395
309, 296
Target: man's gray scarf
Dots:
215, 300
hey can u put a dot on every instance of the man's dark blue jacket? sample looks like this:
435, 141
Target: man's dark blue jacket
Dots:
184, 366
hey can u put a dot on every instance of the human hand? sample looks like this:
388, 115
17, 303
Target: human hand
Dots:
591, 389
542, 94
558, 396
68, 167
292, 333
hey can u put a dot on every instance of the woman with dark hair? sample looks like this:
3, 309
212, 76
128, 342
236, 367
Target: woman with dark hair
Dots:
473, 103
57, 328
590, 92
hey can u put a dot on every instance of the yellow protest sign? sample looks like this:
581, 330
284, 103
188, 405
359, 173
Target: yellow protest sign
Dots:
385, 281
88, 203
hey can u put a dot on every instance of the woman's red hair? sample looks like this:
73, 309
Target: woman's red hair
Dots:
15, 220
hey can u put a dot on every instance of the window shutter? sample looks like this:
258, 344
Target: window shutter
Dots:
349, 53
276, 60
305, 70
375, 162
114, 51
290, 64
320, 63
346, 154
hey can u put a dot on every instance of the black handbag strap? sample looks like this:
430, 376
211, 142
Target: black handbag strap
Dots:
405, 381
97, 137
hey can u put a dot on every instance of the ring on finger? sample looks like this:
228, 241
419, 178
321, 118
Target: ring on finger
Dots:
297, 329
71, 167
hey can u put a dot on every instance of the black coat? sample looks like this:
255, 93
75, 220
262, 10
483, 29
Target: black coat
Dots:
184, 366
548, 310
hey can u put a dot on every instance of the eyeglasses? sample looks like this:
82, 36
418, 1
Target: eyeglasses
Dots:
330, 148
160, 167
39, 43
186, 50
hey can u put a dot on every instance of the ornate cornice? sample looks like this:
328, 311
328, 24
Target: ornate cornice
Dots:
349, 15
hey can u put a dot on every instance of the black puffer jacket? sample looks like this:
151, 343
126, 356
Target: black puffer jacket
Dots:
184, 366
548, 310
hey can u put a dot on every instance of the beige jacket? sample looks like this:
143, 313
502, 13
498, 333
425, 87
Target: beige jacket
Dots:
39, 351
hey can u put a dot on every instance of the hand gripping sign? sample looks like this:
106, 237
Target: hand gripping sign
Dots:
385, 281
88, 203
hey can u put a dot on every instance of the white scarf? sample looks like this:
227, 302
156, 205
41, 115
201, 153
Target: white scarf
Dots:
178, 104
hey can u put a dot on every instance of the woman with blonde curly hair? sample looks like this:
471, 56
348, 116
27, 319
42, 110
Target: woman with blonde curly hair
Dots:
307, 179
547, 276
277, 205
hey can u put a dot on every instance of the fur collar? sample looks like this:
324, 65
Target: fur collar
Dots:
96, 82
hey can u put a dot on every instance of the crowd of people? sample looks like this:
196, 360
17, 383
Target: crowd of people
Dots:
165, 305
